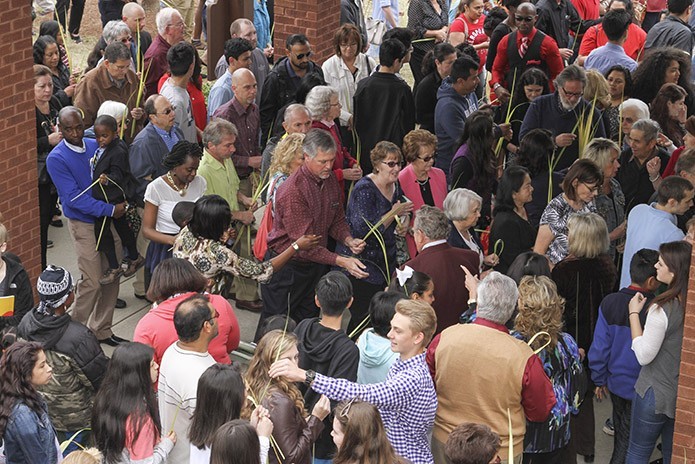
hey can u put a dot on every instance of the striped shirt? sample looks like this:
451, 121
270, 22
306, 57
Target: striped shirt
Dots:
407, 402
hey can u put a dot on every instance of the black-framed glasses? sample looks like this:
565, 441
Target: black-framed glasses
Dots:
217, 315
526, 19
301, 56
168, 111
572, 94
427, 159
392, 164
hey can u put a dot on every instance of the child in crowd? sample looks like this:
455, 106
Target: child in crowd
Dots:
376, 355
110, 165
182, 213
613, 364
325, 348
473, 444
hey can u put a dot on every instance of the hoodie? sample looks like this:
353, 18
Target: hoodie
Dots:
376, 357
16, 283
449, 119
328, 352
611, 359
78, 362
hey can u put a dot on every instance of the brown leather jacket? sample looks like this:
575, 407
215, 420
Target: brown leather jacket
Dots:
293, 434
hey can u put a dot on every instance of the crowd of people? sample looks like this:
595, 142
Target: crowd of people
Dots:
518, 215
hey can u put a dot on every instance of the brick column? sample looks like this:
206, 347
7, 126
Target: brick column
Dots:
19, 203
684, 437
317, 19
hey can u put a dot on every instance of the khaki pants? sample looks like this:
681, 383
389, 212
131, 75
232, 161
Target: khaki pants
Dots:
245, 289
440, 456
142, 243
94, 303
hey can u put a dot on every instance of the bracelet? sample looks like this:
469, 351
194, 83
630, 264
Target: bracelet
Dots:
654, 179
634, 312
295, 245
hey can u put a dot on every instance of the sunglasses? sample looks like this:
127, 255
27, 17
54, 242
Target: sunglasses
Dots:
301, 56
526, 19
168, 111
427, 159
392, 164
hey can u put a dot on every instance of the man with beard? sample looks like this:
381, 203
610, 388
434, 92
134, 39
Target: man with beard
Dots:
560, 111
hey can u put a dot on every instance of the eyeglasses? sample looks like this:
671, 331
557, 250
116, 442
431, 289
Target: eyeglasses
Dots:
301, 56
181, 25
427, 159
526, 19
591, 188
217, 315
349, 45
126, 40
346, 408
392, 164
336, 104
572, 94
167, 111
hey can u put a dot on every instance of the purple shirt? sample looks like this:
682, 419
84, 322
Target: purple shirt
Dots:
247, 121
406, 400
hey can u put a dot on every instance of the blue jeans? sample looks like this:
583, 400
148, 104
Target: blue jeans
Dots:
645, 428
323, 461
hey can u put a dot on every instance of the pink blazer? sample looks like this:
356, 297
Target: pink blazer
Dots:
411, 189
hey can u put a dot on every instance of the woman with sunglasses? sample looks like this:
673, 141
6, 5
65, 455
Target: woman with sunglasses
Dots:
359, 435
294, 430
125, 418
422, 183
658, 350
377, 197
580, 187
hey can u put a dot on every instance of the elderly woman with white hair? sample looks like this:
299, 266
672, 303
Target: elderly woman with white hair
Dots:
324, 105
583, 279
631, 110
114, 31
462, 208
115, 109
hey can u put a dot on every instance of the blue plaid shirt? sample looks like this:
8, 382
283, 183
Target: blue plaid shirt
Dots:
407, 402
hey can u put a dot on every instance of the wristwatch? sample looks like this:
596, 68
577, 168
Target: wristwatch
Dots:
309, 377
295, 246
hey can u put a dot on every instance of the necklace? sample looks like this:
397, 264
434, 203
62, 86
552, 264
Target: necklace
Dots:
181, 191
422, 182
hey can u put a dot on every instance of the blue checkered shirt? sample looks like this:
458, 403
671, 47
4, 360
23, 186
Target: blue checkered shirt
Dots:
406, 400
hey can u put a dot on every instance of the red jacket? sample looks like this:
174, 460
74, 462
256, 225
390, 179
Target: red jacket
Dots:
342, 156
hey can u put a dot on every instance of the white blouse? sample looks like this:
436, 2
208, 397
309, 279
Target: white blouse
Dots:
338, 76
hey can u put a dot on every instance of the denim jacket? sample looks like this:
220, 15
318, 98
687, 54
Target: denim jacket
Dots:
29, 438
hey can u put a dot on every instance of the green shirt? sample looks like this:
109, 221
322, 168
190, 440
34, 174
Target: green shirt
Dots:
222, 179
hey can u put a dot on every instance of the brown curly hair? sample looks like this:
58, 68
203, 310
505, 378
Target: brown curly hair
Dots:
258, 382
540, 310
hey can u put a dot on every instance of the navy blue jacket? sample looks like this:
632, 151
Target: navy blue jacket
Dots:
611, 359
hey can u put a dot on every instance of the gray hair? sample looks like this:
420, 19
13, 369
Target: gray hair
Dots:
432, 222
318, 140
116, 51
571, 73
113, 30
637, 105
235, 27
163, 19
649, 128
497, 297
112, 108
216, 129
291, 110
318, 100
458, 204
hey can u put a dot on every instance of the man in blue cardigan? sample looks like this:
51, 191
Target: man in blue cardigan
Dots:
69, 165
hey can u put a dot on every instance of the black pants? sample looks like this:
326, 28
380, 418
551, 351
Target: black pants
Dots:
75, 14
553, 457
362, 293
107, 246
622, 410
295, 283
582, 427
416, 58
110, 10
47, 202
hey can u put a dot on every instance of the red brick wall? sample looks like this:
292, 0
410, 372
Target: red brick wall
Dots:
18, 186
317, 19
684, 438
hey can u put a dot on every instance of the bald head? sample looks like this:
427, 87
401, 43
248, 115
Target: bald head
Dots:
134, 16
526, 17
244, 86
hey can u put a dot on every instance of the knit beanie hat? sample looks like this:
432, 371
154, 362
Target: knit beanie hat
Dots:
54, 286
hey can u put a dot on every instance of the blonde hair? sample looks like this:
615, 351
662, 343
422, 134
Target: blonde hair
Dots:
285, 152
600, 151
3, 233
422, 318
597, 87
587, 235
85, 456
540, 310
259, 384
